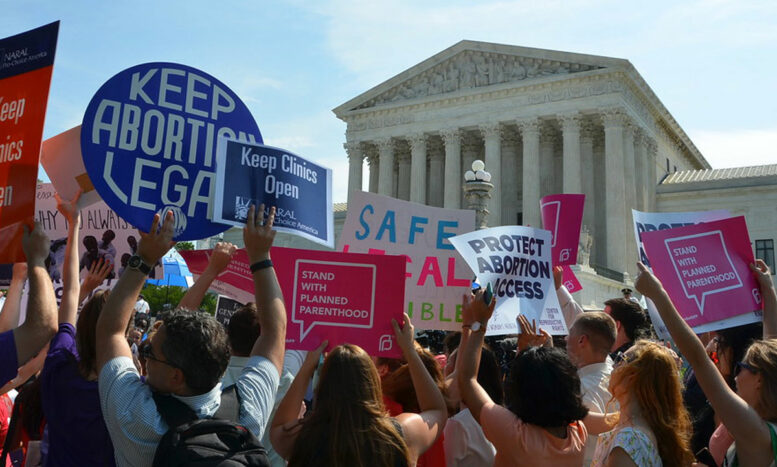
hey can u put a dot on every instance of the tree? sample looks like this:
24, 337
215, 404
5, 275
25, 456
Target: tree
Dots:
184, 246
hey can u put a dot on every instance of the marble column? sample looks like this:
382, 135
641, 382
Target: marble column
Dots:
615, 190
587, 172
511, 177
570, 128
629, 182
492, 136
470, 151
530, 133
640, 169
549, 178
453, 179
403, 178
418, 168
355, 163
374, 162
652, 151
436, 177
386, 168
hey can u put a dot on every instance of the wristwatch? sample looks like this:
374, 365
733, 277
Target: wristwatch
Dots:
135, 262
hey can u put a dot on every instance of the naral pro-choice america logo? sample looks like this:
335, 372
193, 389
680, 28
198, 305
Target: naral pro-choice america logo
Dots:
149, 140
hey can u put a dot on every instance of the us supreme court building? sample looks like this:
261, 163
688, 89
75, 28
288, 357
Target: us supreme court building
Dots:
544, 122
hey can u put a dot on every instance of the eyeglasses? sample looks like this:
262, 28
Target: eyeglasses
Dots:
747, 367
147, 352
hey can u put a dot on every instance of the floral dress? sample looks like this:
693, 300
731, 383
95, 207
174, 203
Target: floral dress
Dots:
634, 441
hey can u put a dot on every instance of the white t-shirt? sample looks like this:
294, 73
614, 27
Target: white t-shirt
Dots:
141, 306
594, 380
465, 444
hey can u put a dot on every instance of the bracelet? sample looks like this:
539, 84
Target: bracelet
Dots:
259, 265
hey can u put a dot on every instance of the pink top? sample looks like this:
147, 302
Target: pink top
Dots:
720, 441
524, 444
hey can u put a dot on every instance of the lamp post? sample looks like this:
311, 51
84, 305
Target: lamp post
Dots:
477, 192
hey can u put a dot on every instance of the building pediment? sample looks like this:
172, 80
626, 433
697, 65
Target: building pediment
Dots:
472, 65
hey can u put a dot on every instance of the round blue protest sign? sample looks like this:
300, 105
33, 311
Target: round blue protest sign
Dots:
149, 139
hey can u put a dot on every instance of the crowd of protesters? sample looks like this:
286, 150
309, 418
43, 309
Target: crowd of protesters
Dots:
93, 382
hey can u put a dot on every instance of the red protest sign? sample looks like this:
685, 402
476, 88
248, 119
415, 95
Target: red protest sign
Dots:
26, 62
705, 269
342, 297
563, 215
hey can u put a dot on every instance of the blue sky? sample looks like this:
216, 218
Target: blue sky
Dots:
713, 63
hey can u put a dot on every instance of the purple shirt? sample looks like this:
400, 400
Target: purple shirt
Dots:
71, 404
9, 365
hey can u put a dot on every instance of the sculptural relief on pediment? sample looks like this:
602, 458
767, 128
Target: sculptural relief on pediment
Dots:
471, 69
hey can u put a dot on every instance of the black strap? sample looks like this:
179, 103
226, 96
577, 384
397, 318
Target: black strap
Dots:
176, 413
229, 409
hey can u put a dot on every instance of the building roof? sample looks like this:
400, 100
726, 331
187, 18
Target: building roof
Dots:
716, 179
709, 175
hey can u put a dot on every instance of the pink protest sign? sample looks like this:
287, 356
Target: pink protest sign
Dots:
342, 297
562, 214
569, 280
705, 269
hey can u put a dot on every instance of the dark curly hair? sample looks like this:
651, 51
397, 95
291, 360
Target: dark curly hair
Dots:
197, 344
544, 388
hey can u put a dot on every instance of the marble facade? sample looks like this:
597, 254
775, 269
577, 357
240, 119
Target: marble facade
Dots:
542, 121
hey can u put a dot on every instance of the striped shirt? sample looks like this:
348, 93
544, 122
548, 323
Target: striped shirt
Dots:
135, 425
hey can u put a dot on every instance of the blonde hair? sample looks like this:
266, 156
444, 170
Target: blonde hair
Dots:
762, 355
656, 387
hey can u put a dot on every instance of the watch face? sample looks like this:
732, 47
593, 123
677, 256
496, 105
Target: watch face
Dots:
476, 326
134, 262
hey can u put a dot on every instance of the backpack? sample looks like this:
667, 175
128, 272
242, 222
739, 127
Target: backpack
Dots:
217, 441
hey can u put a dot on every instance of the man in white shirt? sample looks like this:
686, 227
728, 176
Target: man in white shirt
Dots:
590, 338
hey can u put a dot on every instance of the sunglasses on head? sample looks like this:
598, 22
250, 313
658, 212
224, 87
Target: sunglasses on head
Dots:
747, 367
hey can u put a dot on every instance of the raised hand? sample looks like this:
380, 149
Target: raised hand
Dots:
528, 335
762, 274
221, 256
69, 209
405, 335
36, 245
647, 284
558, 276
474, 308
97, 273
158, 241
258, 235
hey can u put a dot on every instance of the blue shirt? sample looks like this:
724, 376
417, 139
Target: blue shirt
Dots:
135, 425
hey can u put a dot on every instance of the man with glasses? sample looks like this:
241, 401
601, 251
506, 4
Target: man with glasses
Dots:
188, 353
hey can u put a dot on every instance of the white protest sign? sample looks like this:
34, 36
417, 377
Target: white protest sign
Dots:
436, 275
517, 262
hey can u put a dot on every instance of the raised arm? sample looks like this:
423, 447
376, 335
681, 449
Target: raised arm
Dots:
117, 311
68, 307
742, 421
9, 318
284, 429
474, 310
258, 236
764, 278
420, 429
40, 325
217, 263
569, 307
95, 276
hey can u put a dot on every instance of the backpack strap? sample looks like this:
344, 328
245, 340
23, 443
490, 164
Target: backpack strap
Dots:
173, 411
229, 409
